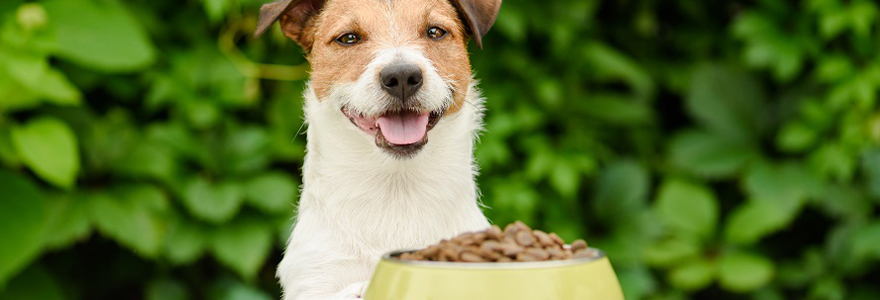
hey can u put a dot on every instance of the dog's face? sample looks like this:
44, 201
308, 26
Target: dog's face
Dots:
394, 68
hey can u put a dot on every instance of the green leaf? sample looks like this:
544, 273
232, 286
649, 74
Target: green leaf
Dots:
540, 163
49, 148
286, 141
565, 178
67, 221
179, 138
228, 289
8, 155
768, 45
833, 160
167, 289
21, 221
617, 109
629, 240
55, 87
864, 241
711, 155
243, 246
148, 158
862, 15
871, 167
839, 252
15, 96
102, 35
777, 194
636, 282
832, 23
672, 251
621, 191
515, 199
692, 275
185, 241
32, 71
213, 202
788, 183
743, 272
609, 63
727, 101
828, 287
846, 202
272, 192
549, 91
131, 218
201, 113
144, 196
795, 137
27, 68
833, 68
514, 25
246, 149
756, 219
687, 207
215, 9
33, 283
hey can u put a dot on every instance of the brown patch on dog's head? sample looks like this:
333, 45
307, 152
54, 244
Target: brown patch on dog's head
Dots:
382, 24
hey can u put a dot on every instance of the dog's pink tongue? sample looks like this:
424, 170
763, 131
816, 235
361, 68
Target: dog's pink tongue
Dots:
403, 128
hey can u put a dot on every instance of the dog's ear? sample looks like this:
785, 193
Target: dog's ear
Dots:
478, 16
294, 16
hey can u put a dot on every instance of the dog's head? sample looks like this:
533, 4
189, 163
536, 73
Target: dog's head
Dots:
394, 67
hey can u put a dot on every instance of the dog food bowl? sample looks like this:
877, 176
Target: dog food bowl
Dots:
579, 278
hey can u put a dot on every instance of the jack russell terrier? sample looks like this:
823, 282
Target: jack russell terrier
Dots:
393, 114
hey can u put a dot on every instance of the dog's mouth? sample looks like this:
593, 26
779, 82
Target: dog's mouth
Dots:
402, 132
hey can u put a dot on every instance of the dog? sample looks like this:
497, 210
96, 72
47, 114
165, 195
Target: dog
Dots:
393, 114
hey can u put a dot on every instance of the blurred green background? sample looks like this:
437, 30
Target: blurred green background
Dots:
149, 149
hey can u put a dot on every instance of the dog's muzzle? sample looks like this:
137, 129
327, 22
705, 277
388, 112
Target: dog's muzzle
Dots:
401, 80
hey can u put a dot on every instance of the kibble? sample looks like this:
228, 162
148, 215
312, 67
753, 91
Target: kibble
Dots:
516, 243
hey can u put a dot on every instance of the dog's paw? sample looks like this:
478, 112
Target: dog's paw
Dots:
355, 290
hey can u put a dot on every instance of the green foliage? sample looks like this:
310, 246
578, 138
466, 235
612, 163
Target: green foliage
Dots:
212, 202
34, 283
103, 35
165, 289
49, 148
687, 208
714, 149
742, 272
130, 217
22, 219
242, 245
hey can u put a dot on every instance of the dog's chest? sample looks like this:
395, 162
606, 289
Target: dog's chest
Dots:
390, 210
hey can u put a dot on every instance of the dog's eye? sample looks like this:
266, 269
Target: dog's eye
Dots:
435, 33
348, 39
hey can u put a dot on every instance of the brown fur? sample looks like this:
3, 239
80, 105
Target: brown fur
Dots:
381, 24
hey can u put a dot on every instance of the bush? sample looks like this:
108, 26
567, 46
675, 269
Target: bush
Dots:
715, 149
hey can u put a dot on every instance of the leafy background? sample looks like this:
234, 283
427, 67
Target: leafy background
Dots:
716, 149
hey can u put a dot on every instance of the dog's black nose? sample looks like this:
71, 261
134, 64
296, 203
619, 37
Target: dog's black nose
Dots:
401, 80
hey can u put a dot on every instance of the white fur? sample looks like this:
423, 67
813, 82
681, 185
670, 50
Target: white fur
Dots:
359, 202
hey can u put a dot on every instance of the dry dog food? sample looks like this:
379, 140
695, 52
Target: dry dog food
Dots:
517, 242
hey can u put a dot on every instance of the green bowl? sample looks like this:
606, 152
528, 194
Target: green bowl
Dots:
583, 279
